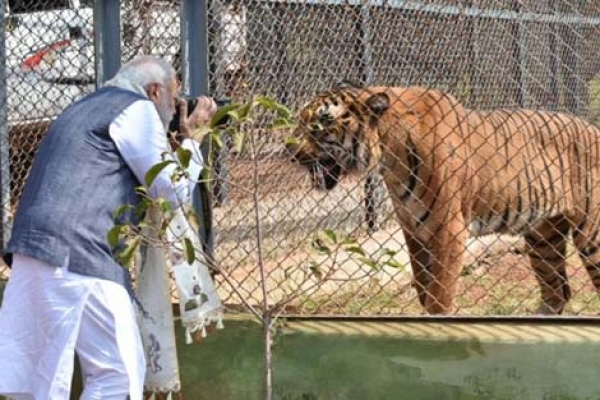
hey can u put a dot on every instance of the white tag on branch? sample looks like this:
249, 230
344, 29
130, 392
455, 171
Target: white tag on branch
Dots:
199, 304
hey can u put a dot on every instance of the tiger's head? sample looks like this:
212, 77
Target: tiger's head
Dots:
337, 134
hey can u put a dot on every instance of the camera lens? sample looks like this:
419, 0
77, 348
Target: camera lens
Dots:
191, 104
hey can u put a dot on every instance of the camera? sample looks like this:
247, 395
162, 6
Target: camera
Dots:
191, 104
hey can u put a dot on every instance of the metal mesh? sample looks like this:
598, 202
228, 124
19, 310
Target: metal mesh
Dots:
540, 55
488, 54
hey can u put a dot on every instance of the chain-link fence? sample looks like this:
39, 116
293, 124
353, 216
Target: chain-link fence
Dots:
539, 55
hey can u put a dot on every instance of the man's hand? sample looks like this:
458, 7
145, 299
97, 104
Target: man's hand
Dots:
203, 112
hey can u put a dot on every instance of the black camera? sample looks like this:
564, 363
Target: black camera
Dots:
191, 104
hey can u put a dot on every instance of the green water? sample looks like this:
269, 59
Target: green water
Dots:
309, 366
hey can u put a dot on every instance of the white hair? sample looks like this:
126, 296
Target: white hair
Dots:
139, 73
145, 70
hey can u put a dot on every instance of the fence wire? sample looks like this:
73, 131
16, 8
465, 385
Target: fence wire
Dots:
514, 55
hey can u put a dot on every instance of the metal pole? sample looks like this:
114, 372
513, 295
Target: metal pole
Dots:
194, 38
554, 61
523, 71
195, 73
5, 178
367, 50
373, 184
107, 39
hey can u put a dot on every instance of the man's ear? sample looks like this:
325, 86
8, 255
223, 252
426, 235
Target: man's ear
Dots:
152, 90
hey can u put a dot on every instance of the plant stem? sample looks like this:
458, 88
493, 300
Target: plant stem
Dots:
268, 356
266, 317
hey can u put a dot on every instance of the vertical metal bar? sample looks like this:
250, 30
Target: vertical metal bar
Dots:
571, 71
195, 73
5, 178
367, 51
554, 60
475, 74
107, 39
194, 35
373, 183
524, 97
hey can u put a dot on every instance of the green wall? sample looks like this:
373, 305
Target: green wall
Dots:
358, 360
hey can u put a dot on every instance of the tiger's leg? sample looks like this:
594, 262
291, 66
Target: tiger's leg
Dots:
547, 251
436, 251
446, 248
587, 242
419, 260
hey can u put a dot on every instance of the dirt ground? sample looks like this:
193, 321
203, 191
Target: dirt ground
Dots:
496, 279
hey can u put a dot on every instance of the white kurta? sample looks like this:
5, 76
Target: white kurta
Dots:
47, 314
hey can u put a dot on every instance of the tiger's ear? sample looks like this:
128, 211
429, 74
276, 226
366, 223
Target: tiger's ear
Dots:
378, 103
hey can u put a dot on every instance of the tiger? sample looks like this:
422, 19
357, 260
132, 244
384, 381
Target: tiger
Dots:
452, 172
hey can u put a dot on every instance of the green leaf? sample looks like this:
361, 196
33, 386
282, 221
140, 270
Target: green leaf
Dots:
126, 257
316, 270
165, 205
238, 142
184, 155
114, 235
282, 123
190, 252
320, 247
200, 132
395, 264
217, 139
193, 220
142, 207
120, 210
369, 262
244, 111
330, 235
356, 250
222, 112
142, 191
272, 104
155, 170
389, 253
349, 241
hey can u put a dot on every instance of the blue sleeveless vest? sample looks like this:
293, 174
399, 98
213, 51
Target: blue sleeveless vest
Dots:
77, 180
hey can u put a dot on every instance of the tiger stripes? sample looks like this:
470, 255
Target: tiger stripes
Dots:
453, 172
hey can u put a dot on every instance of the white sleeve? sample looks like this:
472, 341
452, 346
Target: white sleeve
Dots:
140, 137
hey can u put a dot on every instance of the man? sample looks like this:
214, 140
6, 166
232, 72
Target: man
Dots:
66, 294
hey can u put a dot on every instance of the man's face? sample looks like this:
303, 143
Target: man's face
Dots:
165, 99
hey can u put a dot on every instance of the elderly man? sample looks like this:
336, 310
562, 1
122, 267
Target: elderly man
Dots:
66, 294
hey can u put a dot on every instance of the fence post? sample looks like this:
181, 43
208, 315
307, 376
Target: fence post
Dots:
554, 61
195, 73
194, 46
107, 39
367, 47
524, 99
373, 184
5, 178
